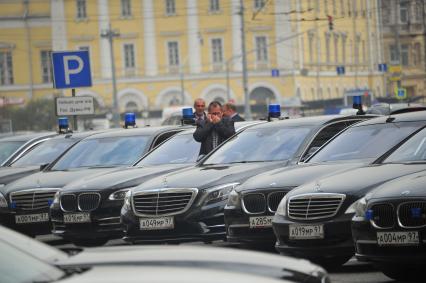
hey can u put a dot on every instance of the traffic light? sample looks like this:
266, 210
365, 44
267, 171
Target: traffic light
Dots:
330, 22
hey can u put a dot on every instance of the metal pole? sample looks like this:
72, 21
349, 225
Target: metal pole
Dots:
182, 87
29, 52
74, 116
247, 110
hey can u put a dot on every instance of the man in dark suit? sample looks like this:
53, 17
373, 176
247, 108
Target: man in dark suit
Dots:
230, 111
199, 106
214, 130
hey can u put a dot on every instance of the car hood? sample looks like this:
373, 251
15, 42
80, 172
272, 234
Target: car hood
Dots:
209, 175
123, 178
409, 186
357, 182
10, 174
294, 176
52, 179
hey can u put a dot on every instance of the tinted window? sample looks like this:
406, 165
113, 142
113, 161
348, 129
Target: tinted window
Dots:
44, 153
412, 150
263, 144
179, 149
104, 152
18, 267
365, 142
7, 148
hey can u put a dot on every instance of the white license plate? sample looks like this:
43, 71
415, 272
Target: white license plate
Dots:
32, 218
158, 223
261, 222
305, 232
83, 217
398, 238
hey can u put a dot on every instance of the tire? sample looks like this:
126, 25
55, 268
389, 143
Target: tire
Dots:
401, 272
331, 263
89, 242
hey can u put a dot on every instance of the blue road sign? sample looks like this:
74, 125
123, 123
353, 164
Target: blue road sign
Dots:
340, 70
71, 69
275, 73
383, 67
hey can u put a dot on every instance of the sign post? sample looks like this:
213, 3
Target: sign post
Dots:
71, 69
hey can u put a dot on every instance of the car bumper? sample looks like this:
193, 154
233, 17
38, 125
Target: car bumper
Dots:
337, 239
238, 229
8, 219
200, 224
367, 248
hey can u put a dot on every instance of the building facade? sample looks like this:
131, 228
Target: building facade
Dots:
169, 52
404, 44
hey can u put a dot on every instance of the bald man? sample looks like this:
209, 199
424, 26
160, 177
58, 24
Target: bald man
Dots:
200, 106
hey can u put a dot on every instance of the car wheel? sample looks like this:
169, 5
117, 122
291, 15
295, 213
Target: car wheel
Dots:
400, 272
90, 242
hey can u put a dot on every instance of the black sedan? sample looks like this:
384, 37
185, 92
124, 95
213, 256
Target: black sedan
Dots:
28, 199
313, 220
188, 205
252, 205
103, 221
389, 226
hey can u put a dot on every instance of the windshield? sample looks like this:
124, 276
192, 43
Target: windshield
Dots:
262, 144
414, 150
7, 148
365, 142
104, 152
45, 153
17, 266
178, 149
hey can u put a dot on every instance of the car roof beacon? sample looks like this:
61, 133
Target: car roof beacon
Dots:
188, 117
357, 104
274, 112
63, 125
129, 120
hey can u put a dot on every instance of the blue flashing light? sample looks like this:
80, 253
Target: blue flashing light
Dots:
416, 212
369, 214
187, 113
357, 100
129, 120
63, 123
274, 110
13, 205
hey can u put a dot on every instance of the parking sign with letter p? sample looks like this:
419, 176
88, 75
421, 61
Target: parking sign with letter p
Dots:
71, 69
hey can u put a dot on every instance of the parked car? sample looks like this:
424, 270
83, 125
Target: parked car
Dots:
313, 220
12, 147
27, 200
188, 205
252, 205
102, 220
388, 228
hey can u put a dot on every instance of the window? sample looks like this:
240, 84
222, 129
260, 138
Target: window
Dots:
214, 6
170, 7
129, 56
311, 47
336, 48
386, 11
404, 55
173, 53
403, 11
261, 49
258, 4
6, 68
217, 51
417, 53
126, 8
327, 47
81, 9
46, 66
393, 52
357, 48
419, 11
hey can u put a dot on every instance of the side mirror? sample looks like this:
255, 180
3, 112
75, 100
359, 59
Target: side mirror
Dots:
201, 156
43, 166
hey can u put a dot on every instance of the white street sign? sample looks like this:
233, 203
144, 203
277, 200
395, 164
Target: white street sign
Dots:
78, 105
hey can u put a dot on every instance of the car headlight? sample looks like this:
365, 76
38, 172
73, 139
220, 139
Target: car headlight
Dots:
56, 199
3, 201
119, 195
127, 198
233, 200
359, 208
219, 193
282, 207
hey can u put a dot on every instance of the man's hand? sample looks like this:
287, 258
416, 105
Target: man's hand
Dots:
215, 119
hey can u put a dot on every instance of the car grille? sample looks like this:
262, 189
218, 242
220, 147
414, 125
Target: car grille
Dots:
274, 200
405, 214
383, 215
88, 201
314, 206
33, 199
163, 202
69, 202
254, 203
